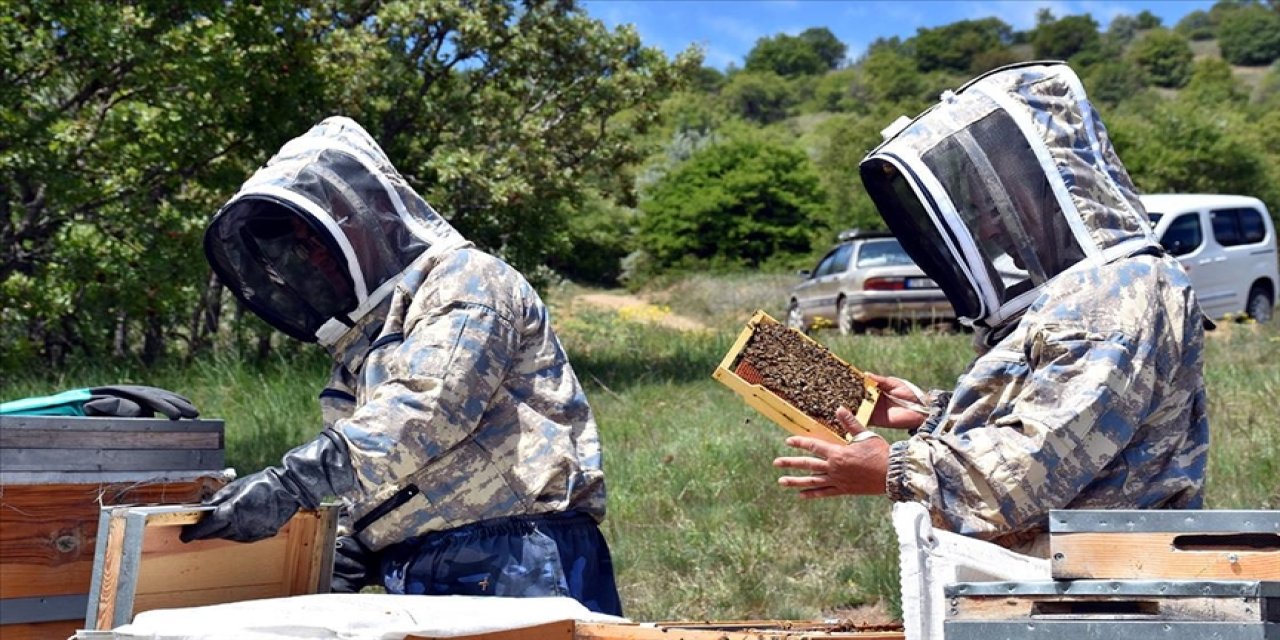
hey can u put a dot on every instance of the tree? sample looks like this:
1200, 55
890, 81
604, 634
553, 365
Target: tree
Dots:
1147, 20
738, 203
952, 47
1267, 93
1113, 82
890, 78
1196, 26
125, 126
1122, 29
761, 97
1063, 38
1250, 35
824, 43
1213, 83
785, 55
1164, 56
846, 141
1181, 147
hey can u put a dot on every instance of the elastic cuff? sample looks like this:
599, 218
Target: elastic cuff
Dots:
895, 483
939, 400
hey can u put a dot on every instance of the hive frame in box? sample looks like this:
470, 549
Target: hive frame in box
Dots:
774, 407
140, 564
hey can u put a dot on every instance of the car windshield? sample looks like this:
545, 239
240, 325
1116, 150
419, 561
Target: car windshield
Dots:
882, 253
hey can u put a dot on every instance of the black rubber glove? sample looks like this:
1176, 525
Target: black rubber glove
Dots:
256, 506
136, 401
354, 566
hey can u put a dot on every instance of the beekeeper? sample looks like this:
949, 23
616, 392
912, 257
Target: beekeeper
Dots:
1087, 391
455, 430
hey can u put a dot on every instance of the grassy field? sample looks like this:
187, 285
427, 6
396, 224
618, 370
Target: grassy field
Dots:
698, 527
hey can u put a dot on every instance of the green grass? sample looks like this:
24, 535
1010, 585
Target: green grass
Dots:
697, 524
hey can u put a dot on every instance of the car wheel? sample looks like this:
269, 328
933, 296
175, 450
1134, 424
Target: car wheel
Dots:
1259, 306
795, 319
844, 319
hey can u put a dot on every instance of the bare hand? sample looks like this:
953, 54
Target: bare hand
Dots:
890, 414
839, 469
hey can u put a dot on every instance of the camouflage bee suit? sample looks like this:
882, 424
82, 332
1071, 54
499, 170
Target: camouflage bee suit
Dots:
455, 429
1088, 403
461, 406
1088, 391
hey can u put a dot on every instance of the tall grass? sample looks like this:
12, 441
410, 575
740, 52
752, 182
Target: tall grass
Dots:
698, 526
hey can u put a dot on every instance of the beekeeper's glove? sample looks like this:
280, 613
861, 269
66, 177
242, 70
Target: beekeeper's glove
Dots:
136, 401
354, 566
256, 506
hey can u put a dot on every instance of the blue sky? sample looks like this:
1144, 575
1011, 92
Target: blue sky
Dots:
727, 29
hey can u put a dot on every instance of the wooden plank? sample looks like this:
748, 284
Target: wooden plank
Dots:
613, 631
170, 565
103, 423
108, 578
561, 630
11, 479
109, 459
1033, 607
63, 439
56, 630
1129, 556
48, 532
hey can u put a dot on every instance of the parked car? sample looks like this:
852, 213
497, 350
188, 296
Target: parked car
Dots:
867, 277
1227, 244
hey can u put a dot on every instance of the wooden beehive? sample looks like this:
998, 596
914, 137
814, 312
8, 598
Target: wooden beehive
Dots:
140, 563
745, 380
1079, 609
1165, 544
55, 475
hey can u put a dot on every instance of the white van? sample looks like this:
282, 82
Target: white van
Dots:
1227, 245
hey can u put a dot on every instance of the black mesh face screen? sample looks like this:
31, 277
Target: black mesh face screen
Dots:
910, 222
281, 264
1003, 197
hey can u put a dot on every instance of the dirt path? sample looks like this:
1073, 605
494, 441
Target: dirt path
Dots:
635, 308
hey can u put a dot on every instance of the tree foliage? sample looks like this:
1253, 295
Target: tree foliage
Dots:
953, 47
1250, 35
1065, 37
1196, 25
1212, 83
125, 126
812, 52
545, 137
738, 203
1180, 147
1113, 82
761, 97
1147, 20
1165, 56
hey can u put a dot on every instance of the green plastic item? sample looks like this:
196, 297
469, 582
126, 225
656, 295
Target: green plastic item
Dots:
67, 403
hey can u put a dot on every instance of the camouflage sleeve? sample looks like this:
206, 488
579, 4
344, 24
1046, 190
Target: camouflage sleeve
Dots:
1047, 439
337, 399
426, 394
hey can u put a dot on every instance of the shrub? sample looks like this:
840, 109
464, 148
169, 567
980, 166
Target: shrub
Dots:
1196, 26
1165, 57
1066, 37
1250, 36
736, 203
